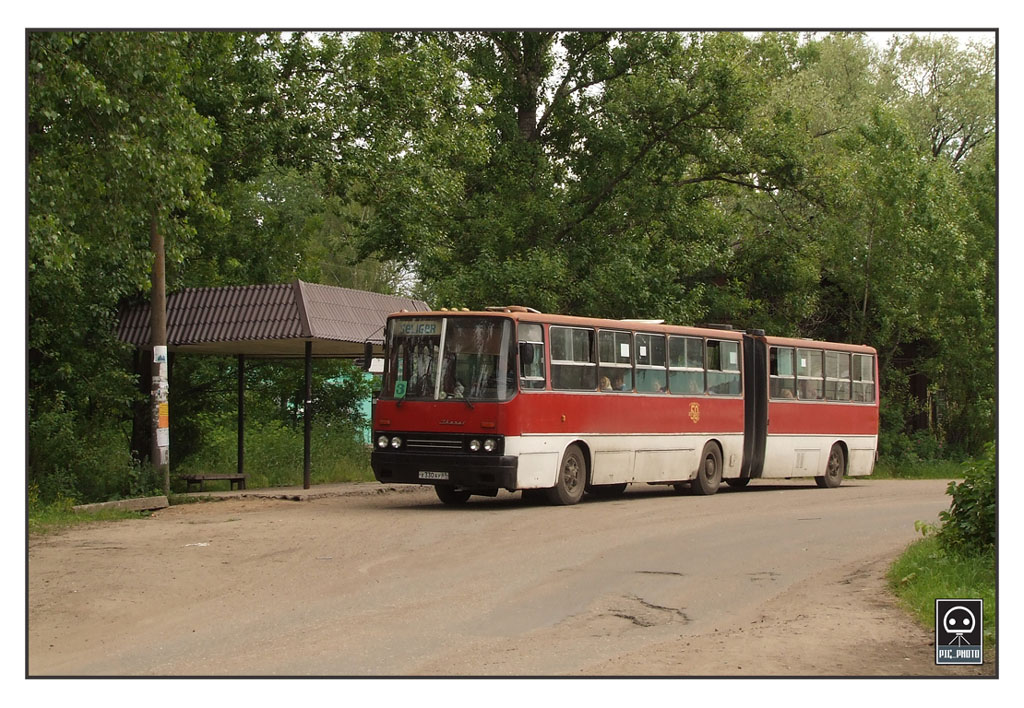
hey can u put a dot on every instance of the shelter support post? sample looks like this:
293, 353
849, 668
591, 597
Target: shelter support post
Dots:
308, 416
241, 414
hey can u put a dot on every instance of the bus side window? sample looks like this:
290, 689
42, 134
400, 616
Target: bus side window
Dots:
723, 367
572, 359
686, 365
863, 378
650, 363
837, 376
531, 356
615, 354
782, 373
809, 370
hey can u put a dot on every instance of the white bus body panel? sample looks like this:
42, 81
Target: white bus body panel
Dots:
807, 455
614, 459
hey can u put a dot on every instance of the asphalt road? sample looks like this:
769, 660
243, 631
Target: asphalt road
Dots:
397, 584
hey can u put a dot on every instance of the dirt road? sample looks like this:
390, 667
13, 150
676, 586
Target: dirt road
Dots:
776, 579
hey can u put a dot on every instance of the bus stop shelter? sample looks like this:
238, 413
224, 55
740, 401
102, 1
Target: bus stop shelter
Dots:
296, 320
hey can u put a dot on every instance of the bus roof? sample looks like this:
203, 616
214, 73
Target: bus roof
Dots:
814, 343
525, 315
573, 321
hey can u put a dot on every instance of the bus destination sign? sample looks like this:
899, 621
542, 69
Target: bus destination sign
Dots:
417, 328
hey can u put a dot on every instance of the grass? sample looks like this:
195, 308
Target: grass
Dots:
925, 572
921, 469
45, 519
58, 516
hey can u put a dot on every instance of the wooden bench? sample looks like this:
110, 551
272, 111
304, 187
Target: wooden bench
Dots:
235, 480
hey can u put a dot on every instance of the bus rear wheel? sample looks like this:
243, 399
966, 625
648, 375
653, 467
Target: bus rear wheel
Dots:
834, 469
709, 474
450, 495
738, 482
572, 478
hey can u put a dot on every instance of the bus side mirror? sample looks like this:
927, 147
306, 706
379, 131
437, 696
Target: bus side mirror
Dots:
367, 355
525, 353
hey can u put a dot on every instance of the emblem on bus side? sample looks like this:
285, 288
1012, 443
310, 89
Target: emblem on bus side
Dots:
695, 412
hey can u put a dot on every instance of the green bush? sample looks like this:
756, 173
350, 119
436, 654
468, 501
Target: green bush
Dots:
921, 445
71, 457
969, 526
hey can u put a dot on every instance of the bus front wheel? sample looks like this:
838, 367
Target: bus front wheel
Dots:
709, 474
572, 478
834, 470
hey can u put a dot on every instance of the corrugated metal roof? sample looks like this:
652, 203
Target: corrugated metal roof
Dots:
272, 320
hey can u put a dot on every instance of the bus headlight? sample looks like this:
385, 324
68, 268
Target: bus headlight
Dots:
489, 445
396, 442
382, 442
474, 445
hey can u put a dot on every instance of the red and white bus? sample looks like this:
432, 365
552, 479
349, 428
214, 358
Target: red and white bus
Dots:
510, 398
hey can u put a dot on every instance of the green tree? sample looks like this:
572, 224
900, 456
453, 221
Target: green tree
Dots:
270, 173
946, 91
572, 171
821, 91
888, 241
112, 144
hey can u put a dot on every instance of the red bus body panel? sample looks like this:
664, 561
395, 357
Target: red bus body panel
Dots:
812, 418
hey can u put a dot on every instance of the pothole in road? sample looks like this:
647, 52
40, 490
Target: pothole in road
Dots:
647, 614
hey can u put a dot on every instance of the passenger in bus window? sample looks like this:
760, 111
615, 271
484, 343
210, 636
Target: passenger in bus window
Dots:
811, 390
606, 384
618, 384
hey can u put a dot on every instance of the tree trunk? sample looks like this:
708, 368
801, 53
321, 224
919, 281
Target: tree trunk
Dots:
529, 75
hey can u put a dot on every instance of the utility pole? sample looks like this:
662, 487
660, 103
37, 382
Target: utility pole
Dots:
161, 445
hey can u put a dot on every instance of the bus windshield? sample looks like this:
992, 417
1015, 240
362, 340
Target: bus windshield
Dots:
440, 358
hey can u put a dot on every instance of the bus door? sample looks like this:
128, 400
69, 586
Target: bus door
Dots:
755, 403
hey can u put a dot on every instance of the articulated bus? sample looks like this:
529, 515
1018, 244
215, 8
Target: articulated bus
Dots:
555, 406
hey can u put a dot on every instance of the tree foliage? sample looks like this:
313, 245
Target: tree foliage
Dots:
112, 145
208, 134
807, 185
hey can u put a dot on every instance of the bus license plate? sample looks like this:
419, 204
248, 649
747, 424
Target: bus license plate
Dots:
434, 475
